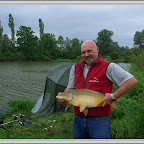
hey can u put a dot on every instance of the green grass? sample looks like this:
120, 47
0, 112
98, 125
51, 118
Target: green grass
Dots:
126, 123
61, 123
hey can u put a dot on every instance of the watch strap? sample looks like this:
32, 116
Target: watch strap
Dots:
113, 98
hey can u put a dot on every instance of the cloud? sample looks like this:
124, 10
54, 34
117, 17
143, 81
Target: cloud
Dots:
78, 21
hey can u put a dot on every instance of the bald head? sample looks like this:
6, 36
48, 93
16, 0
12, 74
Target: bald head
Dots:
89, 51
89, 43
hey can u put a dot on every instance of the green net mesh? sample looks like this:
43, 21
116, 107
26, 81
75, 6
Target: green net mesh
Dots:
55, 82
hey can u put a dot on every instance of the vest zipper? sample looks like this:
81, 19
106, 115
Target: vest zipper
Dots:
84, 83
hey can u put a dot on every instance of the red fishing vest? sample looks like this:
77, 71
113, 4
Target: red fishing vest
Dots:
96, 80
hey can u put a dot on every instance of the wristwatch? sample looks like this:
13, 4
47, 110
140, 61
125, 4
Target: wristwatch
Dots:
113, 98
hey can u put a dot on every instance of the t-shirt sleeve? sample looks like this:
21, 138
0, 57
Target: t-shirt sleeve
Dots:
117, 74
71, 82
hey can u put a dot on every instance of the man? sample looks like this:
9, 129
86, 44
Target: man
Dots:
99, 75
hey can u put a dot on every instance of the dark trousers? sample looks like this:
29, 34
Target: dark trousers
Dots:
91, 127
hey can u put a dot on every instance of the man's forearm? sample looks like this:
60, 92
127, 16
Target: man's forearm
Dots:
125, 87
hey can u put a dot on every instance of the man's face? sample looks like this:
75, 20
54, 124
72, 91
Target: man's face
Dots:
89, 54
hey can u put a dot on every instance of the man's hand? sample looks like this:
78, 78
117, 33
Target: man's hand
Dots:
61, 100
124, 88
105, 101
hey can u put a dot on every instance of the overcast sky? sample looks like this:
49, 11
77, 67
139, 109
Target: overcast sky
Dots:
78, 21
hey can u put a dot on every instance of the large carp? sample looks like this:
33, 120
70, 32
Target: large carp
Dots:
83, 98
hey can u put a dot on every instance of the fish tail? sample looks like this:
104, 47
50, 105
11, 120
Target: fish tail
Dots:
113, 104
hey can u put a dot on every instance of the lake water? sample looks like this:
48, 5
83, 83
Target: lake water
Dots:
125, 66
26, 79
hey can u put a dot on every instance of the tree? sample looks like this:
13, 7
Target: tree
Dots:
41, 26
49, 46
27, 43
139, 39
114, 55
11, 25
114, 46
124, 51
68, 44
1, 36
75, 50
6, 45
61, 42
104, 41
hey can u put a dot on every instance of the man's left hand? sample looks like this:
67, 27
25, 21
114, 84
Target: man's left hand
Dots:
105, 101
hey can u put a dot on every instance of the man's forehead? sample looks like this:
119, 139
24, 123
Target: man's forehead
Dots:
87, 48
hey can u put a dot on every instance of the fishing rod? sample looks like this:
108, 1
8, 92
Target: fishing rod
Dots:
4, 128
22, 115
6, 110
29, 122
7, 124
23, 122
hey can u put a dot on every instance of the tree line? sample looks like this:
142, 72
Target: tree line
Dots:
27, 46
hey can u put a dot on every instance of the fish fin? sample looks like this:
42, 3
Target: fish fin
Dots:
85, 111
82, 107
71, 98
67, 106
113, 104
75, 103
118, 98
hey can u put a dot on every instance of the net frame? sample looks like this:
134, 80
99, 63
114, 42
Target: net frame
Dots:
4, 110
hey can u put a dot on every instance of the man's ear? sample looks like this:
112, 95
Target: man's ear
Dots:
98, 49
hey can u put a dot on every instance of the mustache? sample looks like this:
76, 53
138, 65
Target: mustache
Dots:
88, 57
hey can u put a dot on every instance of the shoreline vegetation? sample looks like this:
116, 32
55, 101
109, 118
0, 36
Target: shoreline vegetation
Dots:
120, 60
24, 45
126, 121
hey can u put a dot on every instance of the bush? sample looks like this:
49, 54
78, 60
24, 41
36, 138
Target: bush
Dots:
19, 56
127, 59
79, 58
138, 61
127, 121
114, 55
2, 58
137, 70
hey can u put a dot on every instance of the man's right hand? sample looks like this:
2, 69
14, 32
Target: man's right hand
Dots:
61, 100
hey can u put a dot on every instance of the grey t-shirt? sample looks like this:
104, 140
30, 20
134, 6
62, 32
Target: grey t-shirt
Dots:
114, 73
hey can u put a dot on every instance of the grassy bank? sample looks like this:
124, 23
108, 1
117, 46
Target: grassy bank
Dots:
61, 123
126, 122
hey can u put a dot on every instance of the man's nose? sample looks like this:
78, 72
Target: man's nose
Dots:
86, 54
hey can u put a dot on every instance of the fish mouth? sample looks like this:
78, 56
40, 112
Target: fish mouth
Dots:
58, 97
